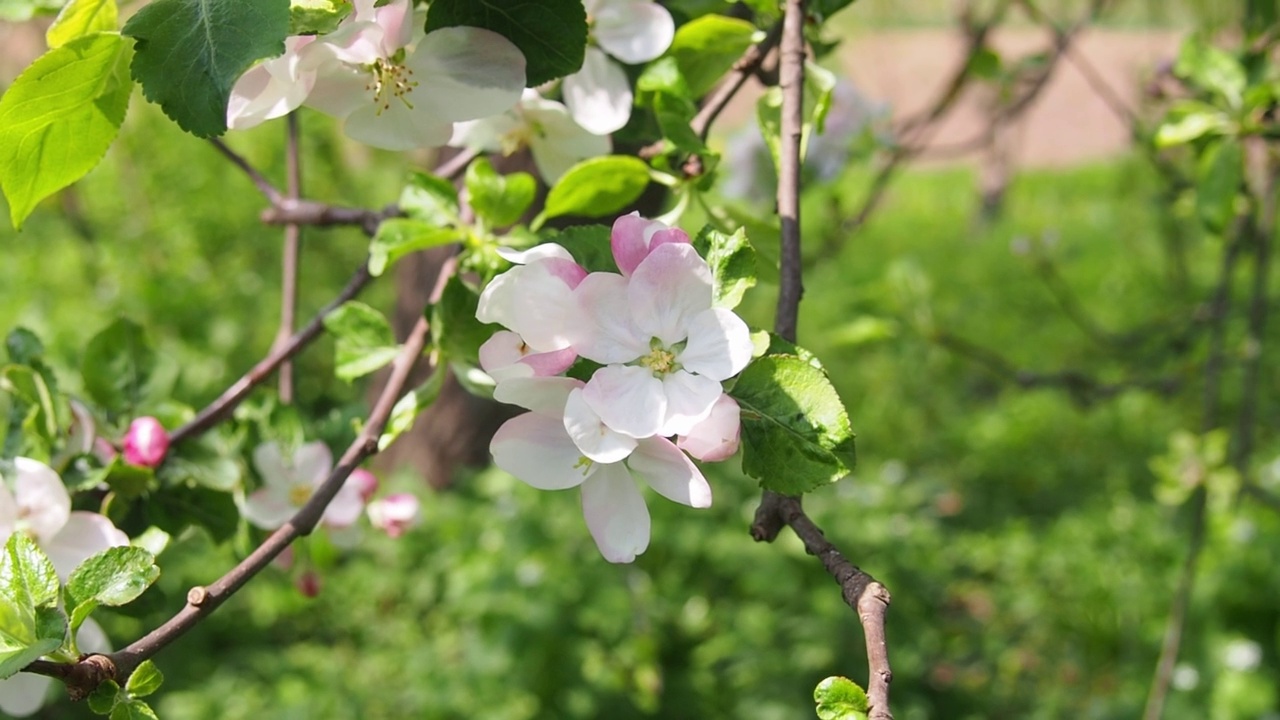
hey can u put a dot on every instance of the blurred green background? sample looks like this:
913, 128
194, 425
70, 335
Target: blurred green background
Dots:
1030, 564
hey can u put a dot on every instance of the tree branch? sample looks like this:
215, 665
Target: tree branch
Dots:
264, 185
289, 258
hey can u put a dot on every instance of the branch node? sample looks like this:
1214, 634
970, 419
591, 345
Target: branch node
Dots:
87, 674
196, 596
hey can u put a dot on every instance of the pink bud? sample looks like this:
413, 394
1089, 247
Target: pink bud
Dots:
308, 583
364, 481
146, 442
394, 514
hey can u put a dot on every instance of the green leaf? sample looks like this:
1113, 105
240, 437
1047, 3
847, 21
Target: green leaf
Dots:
207, 462
26, 574
430, 199
397, 237
30, 623
732, 261
58, 119
1188, 121
82, 17
1211, 69
128, 481
23, 10
363, 339
839, 698
407, 408
707, 47
116, 366
23, 346
133, 710
552, 34
985, 64
454, 327
1218, 178
153, 540
796, 433
596, 187
178, 508
818, 86
499, 199
115, 576
588, 244
145, 680
189, 54
105, 696
34, 401
312, 17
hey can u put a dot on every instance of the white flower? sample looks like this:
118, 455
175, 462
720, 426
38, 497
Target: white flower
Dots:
536, 448
556, 142
23, 694
390, 95
39, 505
716, 437
289, 484
395, 513
633, 31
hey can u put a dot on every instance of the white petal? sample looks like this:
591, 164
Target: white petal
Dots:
558, 143
598, 95
271, 467
689, 401
396, 126
544, 251
616, 514
339, 90
346, 507
592, 436
274, 88
635, 31
536, 301
42, 499
629, 399
543, 395
8, 512
23, 694
267, 508
397, 23
719, 344
668, 289
607, 333
661, 464
716, 437
485, 134
312, 463
536, 449
356, 43
467, 73
86, 534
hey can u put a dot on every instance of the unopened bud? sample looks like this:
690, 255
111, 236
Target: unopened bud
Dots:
308, 583
394, 514
146, 442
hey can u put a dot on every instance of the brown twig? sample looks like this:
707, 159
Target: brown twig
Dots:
289, 258
232, 396
866, 596
264, 185
318, 214
202, 601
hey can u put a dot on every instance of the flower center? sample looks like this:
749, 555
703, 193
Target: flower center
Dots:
661, 360
391, 81
585, 463
299, 494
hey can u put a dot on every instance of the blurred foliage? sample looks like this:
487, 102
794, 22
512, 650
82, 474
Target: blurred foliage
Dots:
1030, 564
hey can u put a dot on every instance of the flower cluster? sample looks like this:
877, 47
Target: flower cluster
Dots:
395, 88
664, 351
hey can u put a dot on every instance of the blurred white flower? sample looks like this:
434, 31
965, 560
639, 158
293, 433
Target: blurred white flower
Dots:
555, 140
288, 483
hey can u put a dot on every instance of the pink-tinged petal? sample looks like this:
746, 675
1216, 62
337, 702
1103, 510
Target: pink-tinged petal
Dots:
505, 356
466, 73
273, 88
396, 126
535, 301
339, 89
616, 514
86, 534
544, 251
551, 363
267, 509
628, 398
719, 344
23, 694
503, 349
364, 481
146, 442
660, 463
716, 437
635, 31
559, 143
394, 514
607, 333
355, 43
668, 289
270, 464
634, 237
543, 395
592, 436
666, 235
396, 20
8, 512
345, 508
312, 462
689, 401
42, 499
536, 449
598, 95
91, 638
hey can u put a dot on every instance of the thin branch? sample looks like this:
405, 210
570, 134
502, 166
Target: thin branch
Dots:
289, 258
453, 167
318, 214
791, 80
202, 601
264, 185
232, 396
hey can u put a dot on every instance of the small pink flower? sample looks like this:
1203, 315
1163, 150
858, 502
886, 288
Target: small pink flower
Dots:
394, 514
308, 583
364, 481
146, 442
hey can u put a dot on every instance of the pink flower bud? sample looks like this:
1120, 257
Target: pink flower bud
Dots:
364, 481
146, 442
308, 583
394, 514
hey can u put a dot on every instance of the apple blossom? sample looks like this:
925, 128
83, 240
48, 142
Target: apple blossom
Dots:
632, 238
556, 142
633, 31
395, 513
288, 484
146, 442
716, 437
535, 301
273, 88
365, 481
35, 501
23, 694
